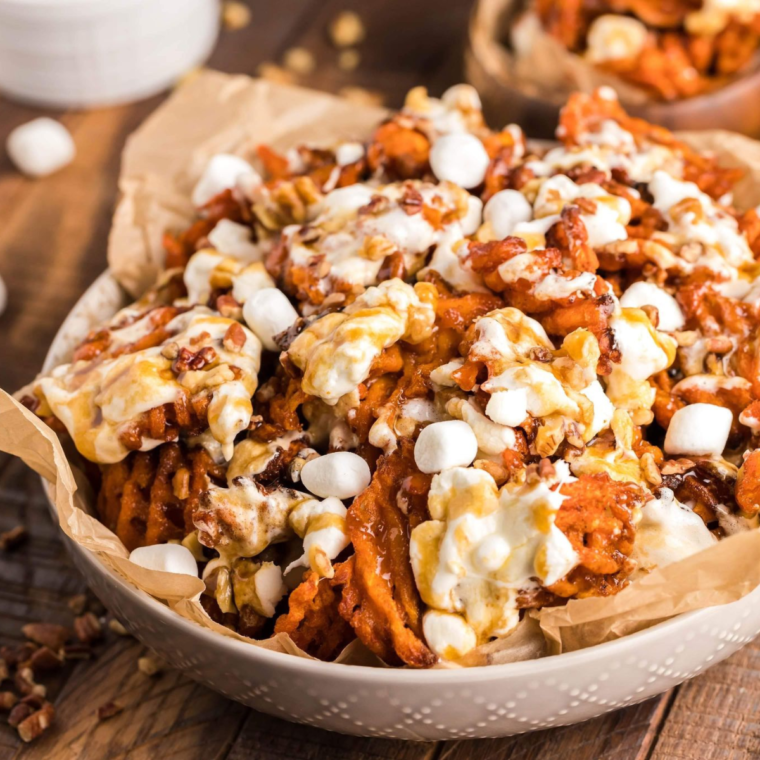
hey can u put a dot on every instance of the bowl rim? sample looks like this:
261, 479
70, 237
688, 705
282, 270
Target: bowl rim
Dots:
540, 666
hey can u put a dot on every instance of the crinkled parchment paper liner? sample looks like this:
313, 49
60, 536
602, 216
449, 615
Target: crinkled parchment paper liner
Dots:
217, 112
530, 89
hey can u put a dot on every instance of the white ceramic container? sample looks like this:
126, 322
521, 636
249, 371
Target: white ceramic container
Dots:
87, 53
412, 704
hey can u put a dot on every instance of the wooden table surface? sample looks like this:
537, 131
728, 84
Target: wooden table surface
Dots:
53, 236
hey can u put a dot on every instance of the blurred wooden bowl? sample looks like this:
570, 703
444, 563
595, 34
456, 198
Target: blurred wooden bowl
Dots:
489, 66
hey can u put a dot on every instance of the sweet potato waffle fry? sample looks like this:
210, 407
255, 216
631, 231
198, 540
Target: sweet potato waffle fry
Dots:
404, 390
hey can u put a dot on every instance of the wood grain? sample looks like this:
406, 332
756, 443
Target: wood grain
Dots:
52, 245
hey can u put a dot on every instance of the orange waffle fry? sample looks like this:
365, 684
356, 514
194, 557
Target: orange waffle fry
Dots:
313, 620
597, 517
379, 596
748, 485
149, 497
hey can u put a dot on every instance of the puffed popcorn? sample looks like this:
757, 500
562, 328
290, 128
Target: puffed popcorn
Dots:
168, 558
508, 407
222, 173
459, 158
648, 294
341, 474
445, 444
699, 430
268, 313
40, 147
505, 210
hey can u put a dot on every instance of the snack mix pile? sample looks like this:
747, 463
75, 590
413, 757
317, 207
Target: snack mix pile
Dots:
674, 49
407, 390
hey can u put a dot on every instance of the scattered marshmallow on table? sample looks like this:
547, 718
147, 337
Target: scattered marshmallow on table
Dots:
445, 444
459, 158
342, 474
268, 313
222, 173
40, 147
169, 558
699, 430
505, 210
649, 294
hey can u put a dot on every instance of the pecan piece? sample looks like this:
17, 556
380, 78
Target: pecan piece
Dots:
8, 700
108, 710
193, 360
77, 604
44, 660
24, 682
88, 628
37, 723
47, 634
234, 338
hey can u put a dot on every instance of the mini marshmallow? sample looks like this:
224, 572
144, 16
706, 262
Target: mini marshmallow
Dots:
269, 588
342, 474
459, 158
168, 558
40, 147
268, 313
508, 407
347, 199
233, 239
447, 634
699, 430
505, 210
222, 173
472, 219
443, 445
349, 153
648, 294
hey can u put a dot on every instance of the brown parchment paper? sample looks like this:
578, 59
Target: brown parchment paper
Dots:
217, 112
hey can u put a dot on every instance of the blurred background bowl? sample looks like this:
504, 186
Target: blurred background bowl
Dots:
89, 53
489, 66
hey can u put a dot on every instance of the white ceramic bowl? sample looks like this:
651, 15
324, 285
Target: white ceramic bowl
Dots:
83, 53
410, 704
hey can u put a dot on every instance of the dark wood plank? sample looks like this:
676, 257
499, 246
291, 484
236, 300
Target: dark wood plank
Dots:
267, 738
622, 735
716, 715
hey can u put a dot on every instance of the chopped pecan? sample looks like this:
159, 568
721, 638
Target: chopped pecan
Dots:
150, 665
193, 360
108, 710
88, 628
116, 627
77, 604
8, 700
37, 723
19, 713
43, 660
234, 338
228, 307
24, 682
47, 634
77, 652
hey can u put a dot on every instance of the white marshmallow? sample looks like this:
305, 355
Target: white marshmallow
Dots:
445, 444
448, 635
342, 474
349, 153
168, 558
699, 430
505, 210
648, 294
40, 147
347, 199
613, 37
459, 158
268, 313
269, 588
474, 216
234, 240
222, 173
508, 407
